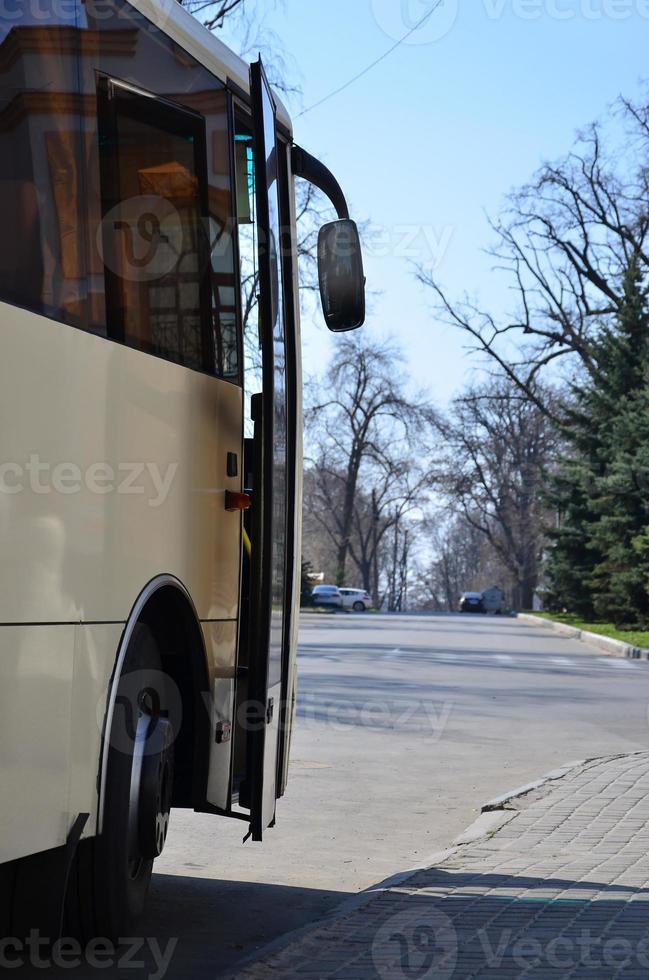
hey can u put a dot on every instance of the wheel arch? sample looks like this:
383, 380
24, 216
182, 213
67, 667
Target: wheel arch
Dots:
166, 607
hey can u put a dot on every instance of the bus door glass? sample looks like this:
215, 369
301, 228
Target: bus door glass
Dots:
269, 574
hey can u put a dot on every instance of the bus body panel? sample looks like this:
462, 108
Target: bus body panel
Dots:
53, 683
95, 649
36, 676
113, 469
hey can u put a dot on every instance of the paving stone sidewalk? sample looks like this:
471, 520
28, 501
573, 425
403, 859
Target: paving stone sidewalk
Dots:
561, 891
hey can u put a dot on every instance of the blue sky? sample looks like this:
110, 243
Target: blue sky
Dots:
438, 133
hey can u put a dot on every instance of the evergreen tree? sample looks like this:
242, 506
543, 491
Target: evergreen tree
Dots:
599, 565
622, 504
306, 588
571, 559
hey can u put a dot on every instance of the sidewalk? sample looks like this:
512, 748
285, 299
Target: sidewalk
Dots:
561, 891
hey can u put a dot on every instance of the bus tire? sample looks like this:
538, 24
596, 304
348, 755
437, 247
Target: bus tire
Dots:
111, 874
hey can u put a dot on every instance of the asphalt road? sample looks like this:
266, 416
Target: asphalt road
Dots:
406, 726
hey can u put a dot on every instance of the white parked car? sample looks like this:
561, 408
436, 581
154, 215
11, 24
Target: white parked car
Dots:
327, 595
357, 599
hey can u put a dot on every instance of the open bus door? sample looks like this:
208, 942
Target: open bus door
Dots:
342, 288
270, 587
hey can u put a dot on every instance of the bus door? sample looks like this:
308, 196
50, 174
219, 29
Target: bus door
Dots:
270, 588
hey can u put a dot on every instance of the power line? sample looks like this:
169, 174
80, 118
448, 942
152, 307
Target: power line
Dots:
386, 54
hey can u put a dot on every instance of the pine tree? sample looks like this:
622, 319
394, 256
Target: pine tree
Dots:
599, 565
621, 576
306, 587
572, 560
619, 498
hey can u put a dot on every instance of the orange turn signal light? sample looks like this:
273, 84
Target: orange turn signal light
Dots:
237, 501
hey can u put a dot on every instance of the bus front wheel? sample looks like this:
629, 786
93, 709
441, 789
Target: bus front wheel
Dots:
111, 875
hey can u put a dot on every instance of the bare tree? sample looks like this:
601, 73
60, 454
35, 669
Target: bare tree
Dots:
499, 447
367, 473
218, 12
462, 560
317, 545
246, 24
399, 549
564, 243
381, 505
379, 518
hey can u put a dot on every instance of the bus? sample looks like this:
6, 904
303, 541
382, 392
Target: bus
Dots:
150, 447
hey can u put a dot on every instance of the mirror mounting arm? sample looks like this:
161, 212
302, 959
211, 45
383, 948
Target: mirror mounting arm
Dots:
309, 168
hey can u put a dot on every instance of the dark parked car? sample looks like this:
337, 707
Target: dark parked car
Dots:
472, 602
327, 595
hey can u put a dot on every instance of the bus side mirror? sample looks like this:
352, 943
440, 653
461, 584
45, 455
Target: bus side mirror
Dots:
342, 280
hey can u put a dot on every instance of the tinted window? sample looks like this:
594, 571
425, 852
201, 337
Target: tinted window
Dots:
42, 260
51, 248
154, 229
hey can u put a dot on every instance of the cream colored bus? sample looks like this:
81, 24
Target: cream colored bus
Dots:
148, 617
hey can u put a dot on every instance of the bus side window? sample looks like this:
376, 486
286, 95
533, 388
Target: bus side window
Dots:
148, 257
21, 263
42, 256
155, 247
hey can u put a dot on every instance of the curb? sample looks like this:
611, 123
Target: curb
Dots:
615, 648
500, 802
488, 823
493, 816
